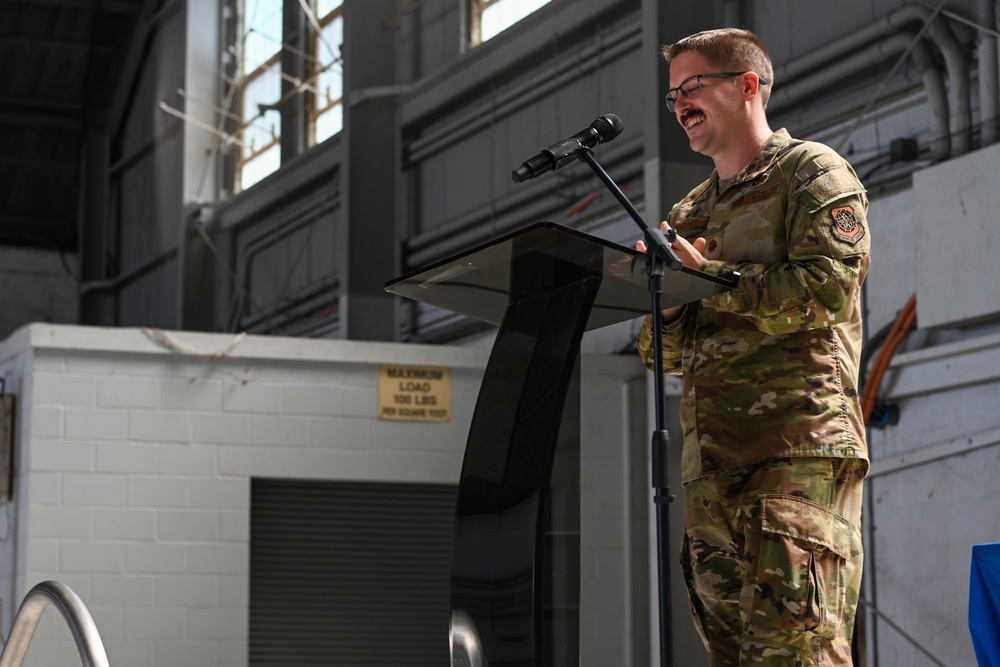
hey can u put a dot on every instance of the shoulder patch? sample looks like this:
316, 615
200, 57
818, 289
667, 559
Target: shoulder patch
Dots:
846, 226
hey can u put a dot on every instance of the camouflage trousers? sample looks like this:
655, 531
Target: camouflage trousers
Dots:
772, 558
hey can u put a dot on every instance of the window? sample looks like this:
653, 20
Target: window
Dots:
490, 17
267, 86
328, 109
260, 73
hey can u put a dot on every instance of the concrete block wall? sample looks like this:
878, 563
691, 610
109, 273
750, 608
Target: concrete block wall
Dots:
614, 490
135, 451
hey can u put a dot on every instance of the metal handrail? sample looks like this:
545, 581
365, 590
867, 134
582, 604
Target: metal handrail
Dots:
88, 639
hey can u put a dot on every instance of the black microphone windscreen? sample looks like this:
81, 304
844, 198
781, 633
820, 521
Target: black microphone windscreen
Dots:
607, 127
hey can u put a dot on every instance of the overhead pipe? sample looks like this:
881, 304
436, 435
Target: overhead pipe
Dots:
988, 57
939, 136
937, 96
816, 61
960, 103
882, 27
989, 77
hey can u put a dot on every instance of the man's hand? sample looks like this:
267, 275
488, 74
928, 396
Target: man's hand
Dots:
690, 255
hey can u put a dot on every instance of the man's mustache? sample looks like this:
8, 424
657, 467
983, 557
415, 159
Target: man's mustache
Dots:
688, 115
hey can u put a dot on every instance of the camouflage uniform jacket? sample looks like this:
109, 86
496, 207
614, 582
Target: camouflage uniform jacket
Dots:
770, 368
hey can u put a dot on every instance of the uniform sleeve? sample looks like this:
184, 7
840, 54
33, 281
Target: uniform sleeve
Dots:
828, 255
673, 343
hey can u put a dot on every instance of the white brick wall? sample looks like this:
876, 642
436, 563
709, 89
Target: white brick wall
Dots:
134, 467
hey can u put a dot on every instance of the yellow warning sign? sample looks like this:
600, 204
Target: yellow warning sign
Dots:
414, 393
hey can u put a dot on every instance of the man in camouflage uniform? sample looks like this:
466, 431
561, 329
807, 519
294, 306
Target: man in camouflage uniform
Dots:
774, 450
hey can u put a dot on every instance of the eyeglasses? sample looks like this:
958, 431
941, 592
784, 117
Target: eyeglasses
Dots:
691, 86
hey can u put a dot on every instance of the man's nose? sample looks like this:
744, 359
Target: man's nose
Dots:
681, 104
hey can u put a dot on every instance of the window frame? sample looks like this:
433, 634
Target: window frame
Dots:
316, 110
246, 121
300, 103
476, 9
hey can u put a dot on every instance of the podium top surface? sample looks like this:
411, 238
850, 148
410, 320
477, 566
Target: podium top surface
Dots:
478, 282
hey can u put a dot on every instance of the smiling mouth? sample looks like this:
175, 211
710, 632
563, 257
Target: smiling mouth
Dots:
692, 119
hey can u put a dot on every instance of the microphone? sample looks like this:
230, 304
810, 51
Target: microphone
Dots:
605, 128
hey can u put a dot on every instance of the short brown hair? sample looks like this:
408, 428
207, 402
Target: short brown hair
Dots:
729, 49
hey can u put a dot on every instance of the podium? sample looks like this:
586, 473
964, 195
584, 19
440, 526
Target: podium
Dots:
515, 558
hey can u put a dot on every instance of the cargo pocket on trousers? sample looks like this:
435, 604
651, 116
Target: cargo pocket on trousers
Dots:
799, 584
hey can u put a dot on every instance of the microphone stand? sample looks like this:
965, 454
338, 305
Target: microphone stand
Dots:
658, 256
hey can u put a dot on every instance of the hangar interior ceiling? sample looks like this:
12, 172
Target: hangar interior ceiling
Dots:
90, 163
62, 61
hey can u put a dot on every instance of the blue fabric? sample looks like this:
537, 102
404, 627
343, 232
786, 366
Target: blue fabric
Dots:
984, 604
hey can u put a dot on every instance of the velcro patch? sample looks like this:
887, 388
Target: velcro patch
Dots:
846, 225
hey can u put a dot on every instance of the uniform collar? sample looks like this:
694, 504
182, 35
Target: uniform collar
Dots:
703, 195
761, 163
764, 158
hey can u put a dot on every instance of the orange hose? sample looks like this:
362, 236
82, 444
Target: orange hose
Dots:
900, 328
586, 201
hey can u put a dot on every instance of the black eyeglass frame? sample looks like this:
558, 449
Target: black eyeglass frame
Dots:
671, 101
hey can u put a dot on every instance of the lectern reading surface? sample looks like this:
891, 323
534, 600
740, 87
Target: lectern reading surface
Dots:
477, 282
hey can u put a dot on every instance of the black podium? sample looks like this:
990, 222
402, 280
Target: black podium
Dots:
515, 567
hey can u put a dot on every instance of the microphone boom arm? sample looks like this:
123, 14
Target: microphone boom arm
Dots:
658, 254
657, 241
